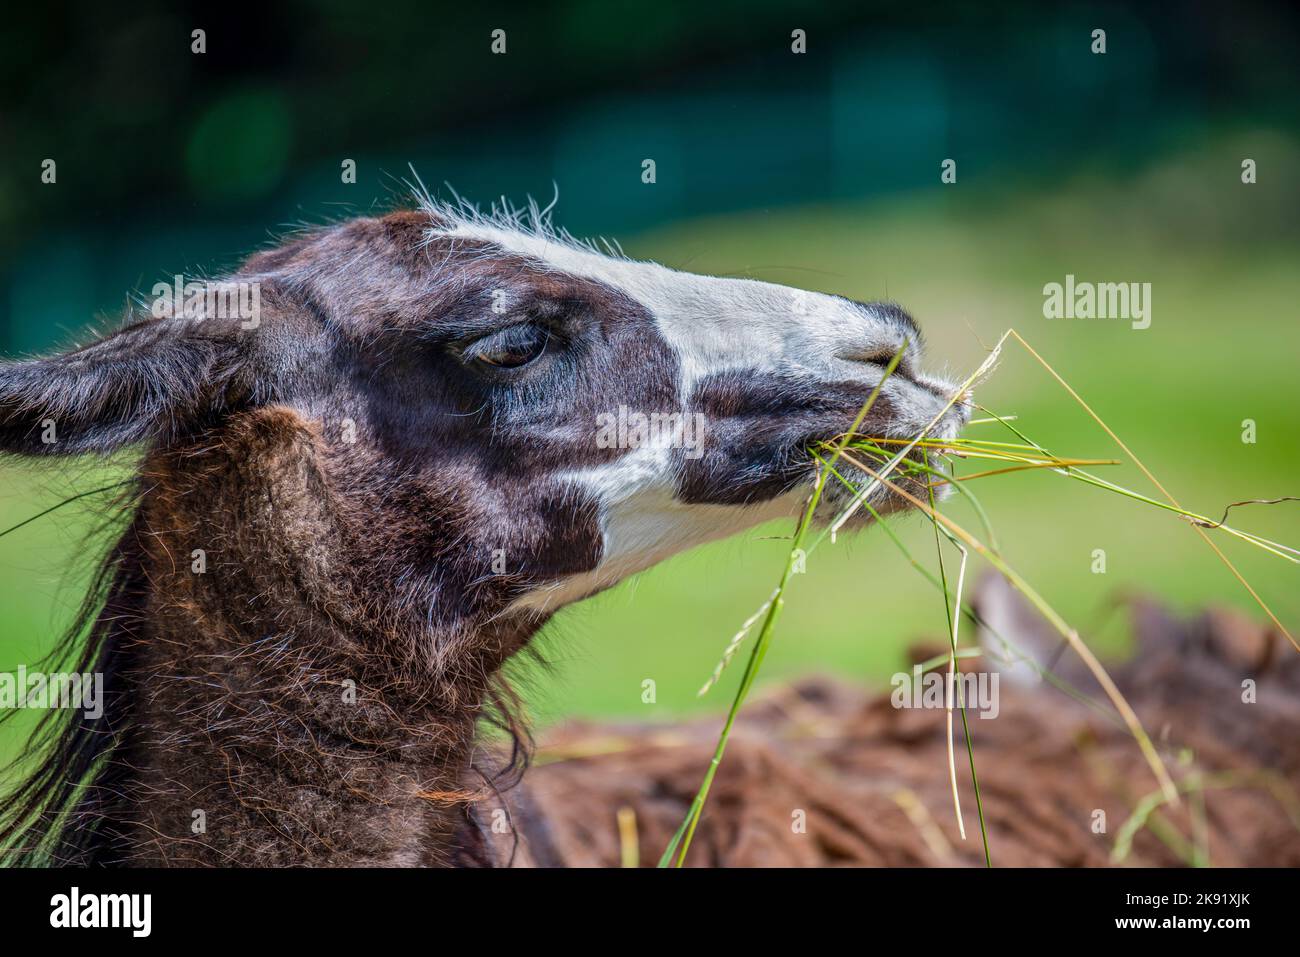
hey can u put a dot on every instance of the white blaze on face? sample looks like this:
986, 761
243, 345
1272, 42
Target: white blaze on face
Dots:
713, 325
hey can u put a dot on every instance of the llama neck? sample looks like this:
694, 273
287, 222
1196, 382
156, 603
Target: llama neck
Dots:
275, 720
250, 748
302, 686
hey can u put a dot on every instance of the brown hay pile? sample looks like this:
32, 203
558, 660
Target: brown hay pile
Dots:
872, 780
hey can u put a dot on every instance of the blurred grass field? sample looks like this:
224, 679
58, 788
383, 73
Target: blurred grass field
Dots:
1222, 347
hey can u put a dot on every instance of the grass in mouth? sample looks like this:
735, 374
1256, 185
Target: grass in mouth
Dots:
885, 459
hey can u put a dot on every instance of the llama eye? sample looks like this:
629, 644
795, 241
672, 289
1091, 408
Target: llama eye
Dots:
510, 348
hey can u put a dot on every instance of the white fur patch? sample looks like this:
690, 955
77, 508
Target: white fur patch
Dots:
713, 324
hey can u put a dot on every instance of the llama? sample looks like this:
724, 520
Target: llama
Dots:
348, 514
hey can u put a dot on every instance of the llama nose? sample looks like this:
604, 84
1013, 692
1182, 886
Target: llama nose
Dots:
881, 329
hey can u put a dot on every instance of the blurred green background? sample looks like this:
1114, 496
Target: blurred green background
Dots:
820, 170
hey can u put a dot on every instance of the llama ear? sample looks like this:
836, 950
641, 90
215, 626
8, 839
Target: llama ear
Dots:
146, 382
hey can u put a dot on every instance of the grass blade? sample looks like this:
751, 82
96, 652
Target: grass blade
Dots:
675, 853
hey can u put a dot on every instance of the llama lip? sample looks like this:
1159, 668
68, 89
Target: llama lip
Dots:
863, 468
860, 471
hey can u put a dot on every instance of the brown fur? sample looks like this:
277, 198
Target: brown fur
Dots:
242, 711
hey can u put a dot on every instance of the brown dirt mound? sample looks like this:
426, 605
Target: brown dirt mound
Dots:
871, 781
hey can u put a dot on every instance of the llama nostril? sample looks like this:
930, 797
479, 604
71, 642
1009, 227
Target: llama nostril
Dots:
877, 356
880, 359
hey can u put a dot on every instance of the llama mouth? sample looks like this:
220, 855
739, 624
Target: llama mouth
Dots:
858, 470
885, 479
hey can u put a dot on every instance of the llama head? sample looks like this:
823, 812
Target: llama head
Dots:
507, 418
